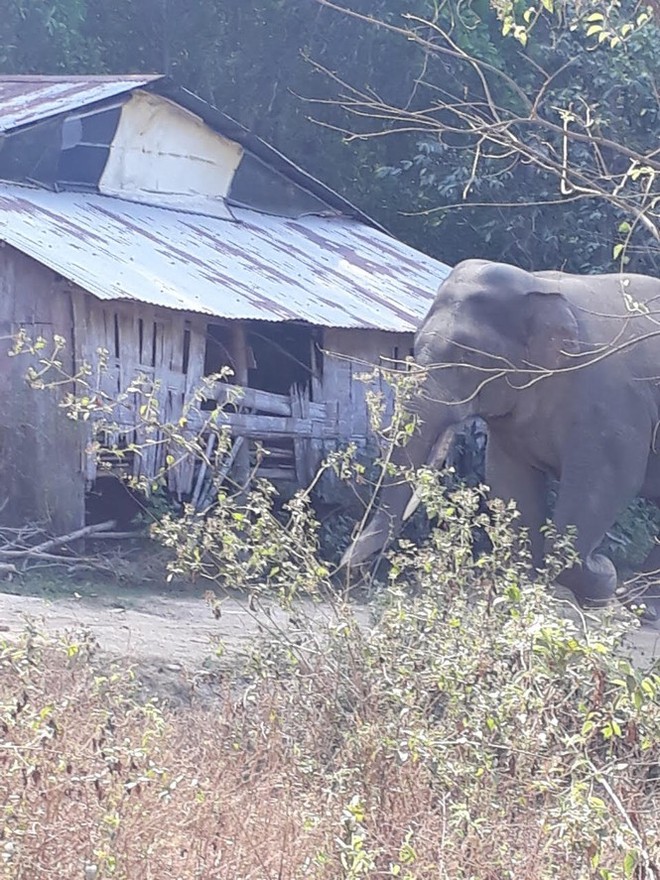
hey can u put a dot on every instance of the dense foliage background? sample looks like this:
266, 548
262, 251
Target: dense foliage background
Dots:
260, 62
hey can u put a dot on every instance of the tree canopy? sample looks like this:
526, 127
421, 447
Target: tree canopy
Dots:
493, 128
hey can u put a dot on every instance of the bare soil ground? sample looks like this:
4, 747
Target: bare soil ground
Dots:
168, 632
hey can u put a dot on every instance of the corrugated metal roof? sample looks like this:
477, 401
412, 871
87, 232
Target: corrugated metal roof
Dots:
329, 271
27, 99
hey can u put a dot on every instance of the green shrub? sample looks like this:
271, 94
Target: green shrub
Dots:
472, 731
467, 730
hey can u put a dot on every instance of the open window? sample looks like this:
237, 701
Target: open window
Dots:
281, 356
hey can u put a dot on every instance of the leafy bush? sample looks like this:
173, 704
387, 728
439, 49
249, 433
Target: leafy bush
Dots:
635, 533
468, 731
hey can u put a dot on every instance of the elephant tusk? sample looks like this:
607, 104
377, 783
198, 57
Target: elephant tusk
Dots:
436, 459
412, 505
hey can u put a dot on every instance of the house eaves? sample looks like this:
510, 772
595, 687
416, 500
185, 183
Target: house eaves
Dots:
25, 100
326, 271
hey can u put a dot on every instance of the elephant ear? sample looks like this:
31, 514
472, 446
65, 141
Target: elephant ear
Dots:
551, 330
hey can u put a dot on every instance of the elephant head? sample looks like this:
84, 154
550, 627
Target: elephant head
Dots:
493, 334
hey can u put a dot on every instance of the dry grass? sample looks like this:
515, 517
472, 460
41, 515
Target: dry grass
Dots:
89, 777
472, 733
292, 777
96, 784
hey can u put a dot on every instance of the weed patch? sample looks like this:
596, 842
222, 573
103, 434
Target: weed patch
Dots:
470, 732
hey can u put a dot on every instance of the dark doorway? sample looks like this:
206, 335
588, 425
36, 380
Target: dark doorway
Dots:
218, 349
111, 498
281, 356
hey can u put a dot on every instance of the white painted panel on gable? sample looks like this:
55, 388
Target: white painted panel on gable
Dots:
166, 155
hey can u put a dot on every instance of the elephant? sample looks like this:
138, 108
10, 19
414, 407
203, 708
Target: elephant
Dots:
565, 371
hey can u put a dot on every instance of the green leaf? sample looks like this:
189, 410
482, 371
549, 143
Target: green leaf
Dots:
617, 250
594, 29
625, 226
595, 16
630, 863
648, 687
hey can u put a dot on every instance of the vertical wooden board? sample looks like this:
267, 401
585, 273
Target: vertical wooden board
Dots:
336, 383
183, 388
195, 360
161, 326
301, 445
239, 354
127, 364
41, 473
100, 330
80, 303
80, 329
106, 376
8, 299
173, 346
129, 347
193, 377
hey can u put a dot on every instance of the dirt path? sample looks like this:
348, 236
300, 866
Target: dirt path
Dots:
165, 629
170, 636
176, 627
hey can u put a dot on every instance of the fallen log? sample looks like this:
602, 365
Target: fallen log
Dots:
41, 549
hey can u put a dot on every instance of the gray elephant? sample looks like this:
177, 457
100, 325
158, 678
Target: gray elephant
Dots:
565, 370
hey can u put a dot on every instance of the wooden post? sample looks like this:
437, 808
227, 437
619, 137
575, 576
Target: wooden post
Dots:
316, 445
301, 445
239, 355
316, 389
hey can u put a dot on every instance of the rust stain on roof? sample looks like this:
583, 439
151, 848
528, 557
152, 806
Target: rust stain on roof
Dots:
28, 99
328, 271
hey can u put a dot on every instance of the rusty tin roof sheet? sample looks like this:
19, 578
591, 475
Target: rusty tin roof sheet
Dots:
27, 99
329, 271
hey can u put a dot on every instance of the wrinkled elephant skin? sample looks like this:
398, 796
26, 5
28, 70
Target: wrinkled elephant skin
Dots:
564, 370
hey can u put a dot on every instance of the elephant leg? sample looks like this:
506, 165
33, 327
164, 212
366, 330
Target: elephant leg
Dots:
595, 486
511, 479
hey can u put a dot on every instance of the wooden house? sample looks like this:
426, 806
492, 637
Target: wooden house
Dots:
140, 222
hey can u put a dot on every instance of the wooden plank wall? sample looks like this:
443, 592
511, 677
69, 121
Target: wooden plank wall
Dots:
166, 349
41, 450
45, 459
349, 355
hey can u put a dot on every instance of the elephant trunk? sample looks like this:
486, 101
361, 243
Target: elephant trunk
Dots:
428, 445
